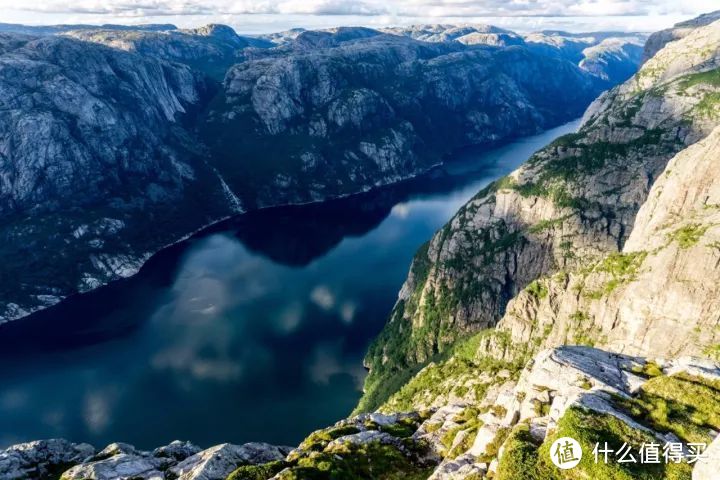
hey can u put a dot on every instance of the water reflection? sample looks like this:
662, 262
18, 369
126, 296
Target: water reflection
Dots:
253, 330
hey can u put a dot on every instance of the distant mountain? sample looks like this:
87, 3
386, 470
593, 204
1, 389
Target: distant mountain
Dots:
211, 49
611, 56
55, 29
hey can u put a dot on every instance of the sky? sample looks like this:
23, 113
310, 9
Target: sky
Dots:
262, 16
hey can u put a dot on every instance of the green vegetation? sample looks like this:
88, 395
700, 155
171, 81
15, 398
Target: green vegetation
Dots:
709, 104
457, 366
682, 404
685, 405
325, 454
257, 472
648, 370
520, 457
547, 224
372, 461
712, 351
492, 448
537, 289
402, 429
319, 440
579, 159
403, 348
621, 267
689, 235
711, 78
589, 428
468, 425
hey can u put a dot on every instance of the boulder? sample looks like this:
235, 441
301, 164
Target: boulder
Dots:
34, 460
118, 466
217, 462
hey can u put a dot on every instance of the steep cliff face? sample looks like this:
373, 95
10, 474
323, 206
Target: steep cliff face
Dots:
91, 148
571, 205
369, 108
211, 49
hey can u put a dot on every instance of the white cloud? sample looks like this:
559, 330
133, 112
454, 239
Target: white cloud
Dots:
254, 16
413, 8
323, 297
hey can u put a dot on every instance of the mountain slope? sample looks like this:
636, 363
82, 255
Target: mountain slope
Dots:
370, 109
610, 56
211, 49
658, 40
573, 203
95, 167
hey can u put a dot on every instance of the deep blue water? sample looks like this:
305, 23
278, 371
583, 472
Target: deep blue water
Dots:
254, 329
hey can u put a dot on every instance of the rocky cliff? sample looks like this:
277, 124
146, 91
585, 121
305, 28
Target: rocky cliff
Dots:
368, 108
571, 204
96, 169
658, 40
115, 143
606, 238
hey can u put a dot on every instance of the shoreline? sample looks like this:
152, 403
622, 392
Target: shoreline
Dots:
447, 159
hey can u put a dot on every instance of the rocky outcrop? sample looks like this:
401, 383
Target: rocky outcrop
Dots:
220, 461
41, 459
176, 461
587, 393
658, 40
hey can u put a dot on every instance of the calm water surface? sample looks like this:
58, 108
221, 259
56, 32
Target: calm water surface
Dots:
252, 330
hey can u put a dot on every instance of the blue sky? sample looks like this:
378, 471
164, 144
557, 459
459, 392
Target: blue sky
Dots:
256, 16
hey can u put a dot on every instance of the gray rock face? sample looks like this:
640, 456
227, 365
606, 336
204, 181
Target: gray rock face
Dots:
219, 461
707, 468
91, 147
40, 459
118, 466
369, 108
120, 461
176, 450
211, 49
658, 40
